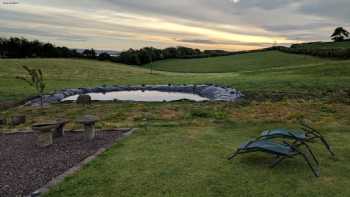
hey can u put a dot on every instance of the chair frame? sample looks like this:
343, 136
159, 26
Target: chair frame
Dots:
310, 135
281, 156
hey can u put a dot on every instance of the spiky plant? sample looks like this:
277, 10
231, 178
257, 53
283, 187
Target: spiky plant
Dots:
36, 80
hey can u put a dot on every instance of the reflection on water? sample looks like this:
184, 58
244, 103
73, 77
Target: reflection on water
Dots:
142, 96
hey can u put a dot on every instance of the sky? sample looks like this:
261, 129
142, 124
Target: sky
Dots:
205, 24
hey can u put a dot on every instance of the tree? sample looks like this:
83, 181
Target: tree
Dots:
93, 53
104, 56
339, 34
89, 53
35, 80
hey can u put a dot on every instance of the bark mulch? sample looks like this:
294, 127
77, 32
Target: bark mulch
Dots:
25, 167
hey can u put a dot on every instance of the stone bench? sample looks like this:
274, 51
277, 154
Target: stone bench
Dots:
46, 131
59, 131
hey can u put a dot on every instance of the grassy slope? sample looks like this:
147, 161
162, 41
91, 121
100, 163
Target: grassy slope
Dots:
310, 74
235, 63
182, 148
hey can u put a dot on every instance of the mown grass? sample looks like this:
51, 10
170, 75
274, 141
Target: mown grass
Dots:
235, 63
181, 149
287, 73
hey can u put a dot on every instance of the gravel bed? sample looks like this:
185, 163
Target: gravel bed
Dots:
25, 167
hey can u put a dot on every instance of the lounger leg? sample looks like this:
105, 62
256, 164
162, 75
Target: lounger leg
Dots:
277, 161
315, 171
233, 155
312, 154
319, 135
327, 146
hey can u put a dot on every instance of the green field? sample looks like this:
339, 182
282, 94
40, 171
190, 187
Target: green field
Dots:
180, 148
250, 62
260, 72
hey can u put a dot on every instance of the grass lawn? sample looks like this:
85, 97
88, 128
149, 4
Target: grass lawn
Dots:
181, 149
270, 71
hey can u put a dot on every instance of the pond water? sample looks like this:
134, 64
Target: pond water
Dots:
141, 96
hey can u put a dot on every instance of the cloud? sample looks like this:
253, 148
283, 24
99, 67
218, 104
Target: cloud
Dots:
120, 24
335, 9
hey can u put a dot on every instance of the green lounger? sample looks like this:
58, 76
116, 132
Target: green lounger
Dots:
307, 134
281, 150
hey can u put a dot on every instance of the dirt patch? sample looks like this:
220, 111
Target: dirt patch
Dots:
169, 114
24, 167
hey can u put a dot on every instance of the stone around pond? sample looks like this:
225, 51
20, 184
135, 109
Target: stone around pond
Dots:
84, 99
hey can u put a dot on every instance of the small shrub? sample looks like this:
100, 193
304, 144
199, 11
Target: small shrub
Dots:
35, 80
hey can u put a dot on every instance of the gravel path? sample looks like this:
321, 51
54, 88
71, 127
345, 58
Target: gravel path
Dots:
24, 167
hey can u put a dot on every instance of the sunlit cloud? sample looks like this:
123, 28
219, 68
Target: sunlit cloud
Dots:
235, 1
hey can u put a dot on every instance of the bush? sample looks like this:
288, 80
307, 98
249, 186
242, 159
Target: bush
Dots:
104, 56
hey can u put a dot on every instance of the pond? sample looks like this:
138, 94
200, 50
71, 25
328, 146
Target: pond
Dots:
141, 96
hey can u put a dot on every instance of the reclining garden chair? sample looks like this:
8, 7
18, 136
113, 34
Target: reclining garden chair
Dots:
307, 134
281, 150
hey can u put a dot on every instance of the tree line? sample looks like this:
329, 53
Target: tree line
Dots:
22, 48
15, 47
149, 54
